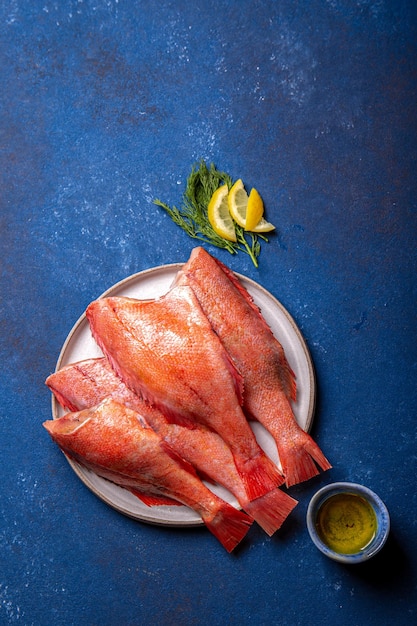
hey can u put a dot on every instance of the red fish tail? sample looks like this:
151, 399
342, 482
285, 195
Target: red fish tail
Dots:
271, 510
229, 526
299, 462
259, 475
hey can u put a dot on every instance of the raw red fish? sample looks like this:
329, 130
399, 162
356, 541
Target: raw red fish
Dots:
166, 351
269, 383
114, 442
86, 383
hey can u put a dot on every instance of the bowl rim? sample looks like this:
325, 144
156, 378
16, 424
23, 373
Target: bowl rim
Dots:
374, 500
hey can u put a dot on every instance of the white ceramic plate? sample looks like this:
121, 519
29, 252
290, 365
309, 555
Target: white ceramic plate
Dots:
150, 284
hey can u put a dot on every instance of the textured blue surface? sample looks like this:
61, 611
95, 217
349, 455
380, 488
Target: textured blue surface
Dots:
106, 105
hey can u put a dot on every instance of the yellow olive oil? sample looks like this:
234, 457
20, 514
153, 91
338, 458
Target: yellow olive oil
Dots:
346, 523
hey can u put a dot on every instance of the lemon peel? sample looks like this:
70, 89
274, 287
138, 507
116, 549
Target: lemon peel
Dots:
219, 216
254, 210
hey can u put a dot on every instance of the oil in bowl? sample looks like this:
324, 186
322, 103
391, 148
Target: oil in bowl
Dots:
347, 522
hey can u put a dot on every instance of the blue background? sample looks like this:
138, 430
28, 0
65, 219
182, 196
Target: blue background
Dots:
106, 105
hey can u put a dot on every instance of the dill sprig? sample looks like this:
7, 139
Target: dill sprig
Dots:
192, 215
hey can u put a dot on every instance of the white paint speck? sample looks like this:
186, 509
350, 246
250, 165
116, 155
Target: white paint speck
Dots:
11, 609
13, 12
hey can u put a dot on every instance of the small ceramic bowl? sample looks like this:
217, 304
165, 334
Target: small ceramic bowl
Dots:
348, 522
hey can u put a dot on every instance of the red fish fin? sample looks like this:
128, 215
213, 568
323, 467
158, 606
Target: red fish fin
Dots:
203, 476
291, 387
229, 526
177, 458
287, 376
173, 418
236, 376
259, 475
271, 510
242, 290
154, 500
299, 462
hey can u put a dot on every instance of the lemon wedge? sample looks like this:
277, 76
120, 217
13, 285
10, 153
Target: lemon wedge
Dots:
263, 226
238, 202
254, 210
247, 210
219, 216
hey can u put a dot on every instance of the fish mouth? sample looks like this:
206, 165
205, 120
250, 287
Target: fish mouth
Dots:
67, 425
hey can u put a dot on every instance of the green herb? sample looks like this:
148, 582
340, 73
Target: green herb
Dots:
192, 215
